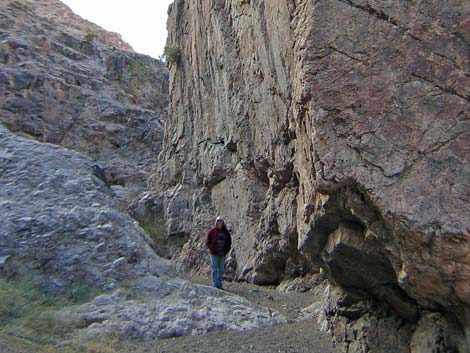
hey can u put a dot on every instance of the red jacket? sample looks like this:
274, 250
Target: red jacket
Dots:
212, 238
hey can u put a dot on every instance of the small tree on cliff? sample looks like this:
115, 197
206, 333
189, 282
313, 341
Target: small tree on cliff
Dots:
171, 54
89, 37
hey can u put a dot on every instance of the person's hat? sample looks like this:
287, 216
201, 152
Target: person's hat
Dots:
219, 219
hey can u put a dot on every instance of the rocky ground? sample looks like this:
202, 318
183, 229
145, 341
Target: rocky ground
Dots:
300, 337
297, 335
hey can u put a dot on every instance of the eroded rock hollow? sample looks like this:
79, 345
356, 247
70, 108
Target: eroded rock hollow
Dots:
330, 134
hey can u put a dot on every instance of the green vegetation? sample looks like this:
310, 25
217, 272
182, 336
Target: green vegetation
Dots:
172, 54
89, 37
155, 225
165, 246
155, 229
32, 317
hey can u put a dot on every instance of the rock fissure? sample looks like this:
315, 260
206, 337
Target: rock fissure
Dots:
373, 11
345, 54
443, 89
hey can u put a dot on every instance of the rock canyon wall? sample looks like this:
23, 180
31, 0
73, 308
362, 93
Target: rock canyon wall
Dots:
73, 263
66, 81
332, 134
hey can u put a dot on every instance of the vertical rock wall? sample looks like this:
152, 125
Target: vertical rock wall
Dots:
328, 133
227, 146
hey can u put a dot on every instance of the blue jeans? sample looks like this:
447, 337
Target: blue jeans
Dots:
217, 268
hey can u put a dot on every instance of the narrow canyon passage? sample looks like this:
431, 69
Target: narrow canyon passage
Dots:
333, 136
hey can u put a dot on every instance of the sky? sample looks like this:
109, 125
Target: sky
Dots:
141, 23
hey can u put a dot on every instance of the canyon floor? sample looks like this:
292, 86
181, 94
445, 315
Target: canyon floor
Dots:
292, 337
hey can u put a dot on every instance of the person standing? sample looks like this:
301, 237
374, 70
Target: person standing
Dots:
219, 242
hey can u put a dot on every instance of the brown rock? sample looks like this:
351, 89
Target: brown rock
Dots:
369, 102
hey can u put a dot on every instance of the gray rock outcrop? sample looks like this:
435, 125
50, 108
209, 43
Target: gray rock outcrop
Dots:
60, 218
169, 308
329, 133
62, 227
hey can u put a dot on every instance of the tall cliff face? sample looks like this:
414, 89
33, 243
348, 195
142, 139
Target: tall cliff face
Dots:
329, 133
231, 100
72, 262
67, 81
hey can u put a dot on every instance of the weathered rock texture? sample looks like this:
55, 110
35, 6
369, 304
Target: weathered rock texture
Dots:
62, 227
67, 81
167, 308
365, 325
60, 218
330, 133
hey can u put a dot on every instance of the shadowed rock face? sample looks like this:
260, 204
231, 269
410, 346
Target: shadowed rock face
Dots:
67, 81
329, 133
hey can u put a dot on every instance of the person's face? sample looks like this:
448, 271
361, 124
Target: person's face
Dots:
220, 224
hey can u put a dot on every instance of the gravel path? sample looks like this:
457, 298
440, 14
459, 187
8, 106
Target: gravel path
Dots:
300, 337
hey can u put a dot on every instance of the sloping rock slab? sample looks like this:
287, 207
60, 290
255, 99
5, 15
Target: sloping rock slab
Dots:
60, 218
158, 308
